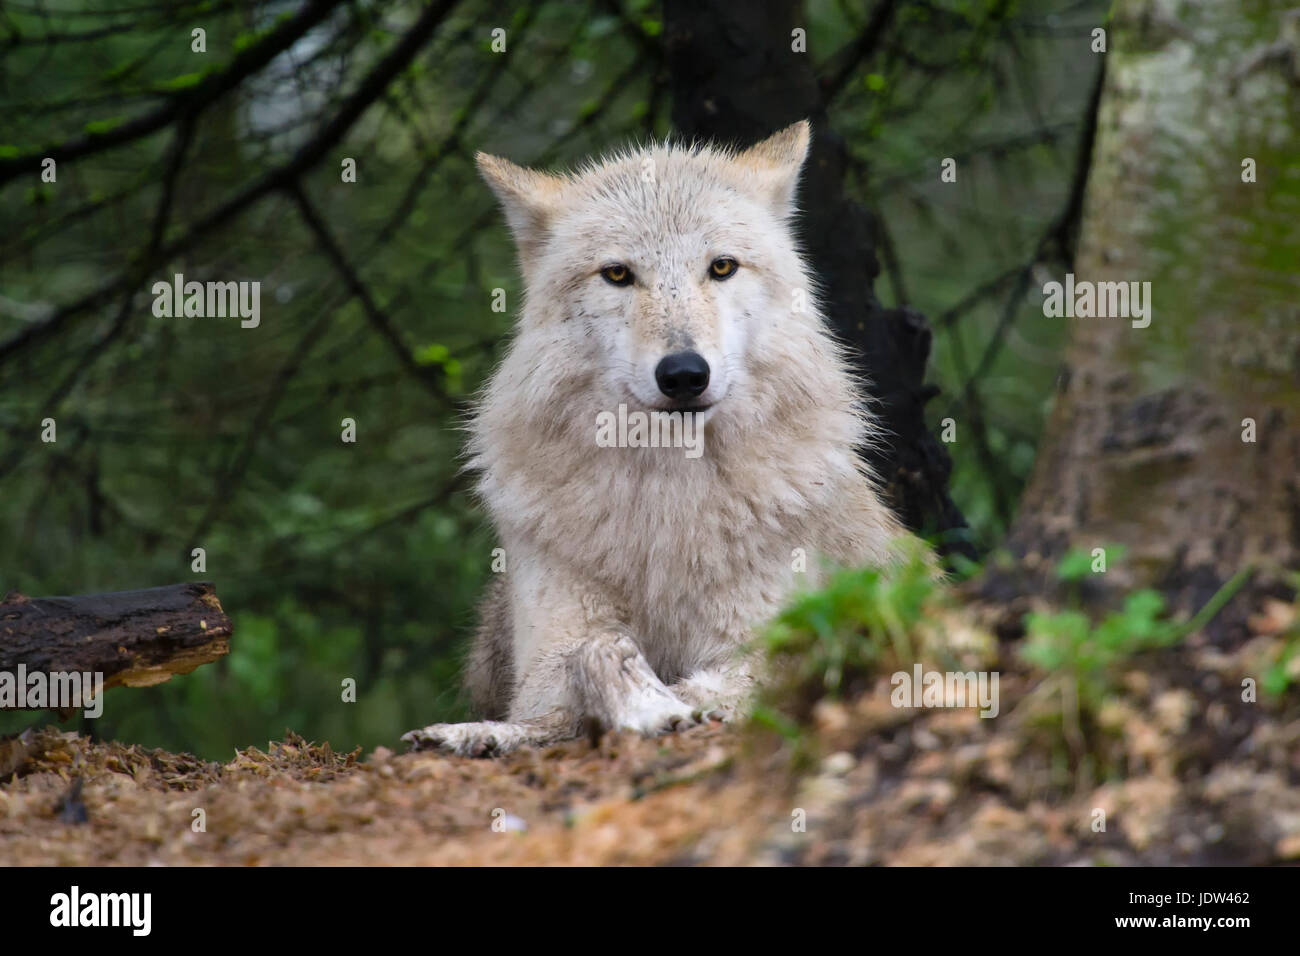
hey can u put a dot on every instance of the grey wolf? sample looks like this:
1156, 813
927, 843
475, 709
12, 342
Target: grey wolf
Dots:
666, 279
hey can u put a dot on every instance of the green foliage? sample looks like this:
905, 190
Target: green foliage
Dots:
1077, 564
440, 355
1284, 671
1083, 660
100, 127
829, 641
858, 618
184, 81
1067, 643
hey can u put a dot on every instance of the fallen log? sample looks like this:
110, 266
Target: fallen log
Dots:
132, 638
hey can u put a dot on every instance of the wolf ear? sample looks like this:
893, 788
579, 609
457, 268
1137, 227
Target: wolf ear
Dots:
774, 164
529, 198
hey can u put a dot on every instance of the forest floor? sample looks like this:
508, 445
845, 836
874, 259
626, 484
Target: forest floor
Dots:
1188, 775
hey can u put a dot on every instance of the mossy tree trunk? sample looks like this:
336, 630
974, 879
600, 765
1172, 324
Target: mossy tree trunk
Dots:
1146, 446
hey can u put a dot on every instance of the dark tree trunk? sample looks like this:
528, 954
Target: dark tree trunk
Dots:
735, 79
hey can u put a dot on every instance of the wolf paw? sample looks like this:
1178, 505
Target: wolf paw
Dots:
488, 738
658, 714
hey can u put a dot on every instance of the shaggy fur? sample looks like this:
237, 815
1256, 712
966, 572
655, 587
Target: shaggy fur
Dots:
635, 575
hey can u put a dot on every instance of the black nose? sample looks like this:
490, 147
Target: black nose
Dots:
682, 375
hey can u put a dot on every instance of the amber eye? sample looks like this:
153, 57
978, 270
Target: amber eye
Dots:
723, 268
617, 274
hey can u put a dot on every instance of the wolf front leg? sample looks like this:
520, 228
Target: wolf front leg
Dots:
492, 738
577, 668
601, 681
574, 653
605, 681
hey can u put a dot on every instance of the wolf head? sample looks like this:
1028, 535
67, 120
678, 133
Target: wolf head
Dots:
666, 278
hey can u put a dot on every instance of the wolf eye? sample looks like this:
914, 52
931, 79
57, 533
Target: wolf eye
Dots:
723, 267
617, 274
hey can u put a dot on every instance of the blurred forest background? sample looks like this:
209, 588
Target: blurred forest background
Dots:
364, 560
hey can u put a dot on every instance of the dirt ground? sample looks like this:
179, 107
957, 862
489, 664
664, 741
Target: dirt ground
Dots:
1195, 777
